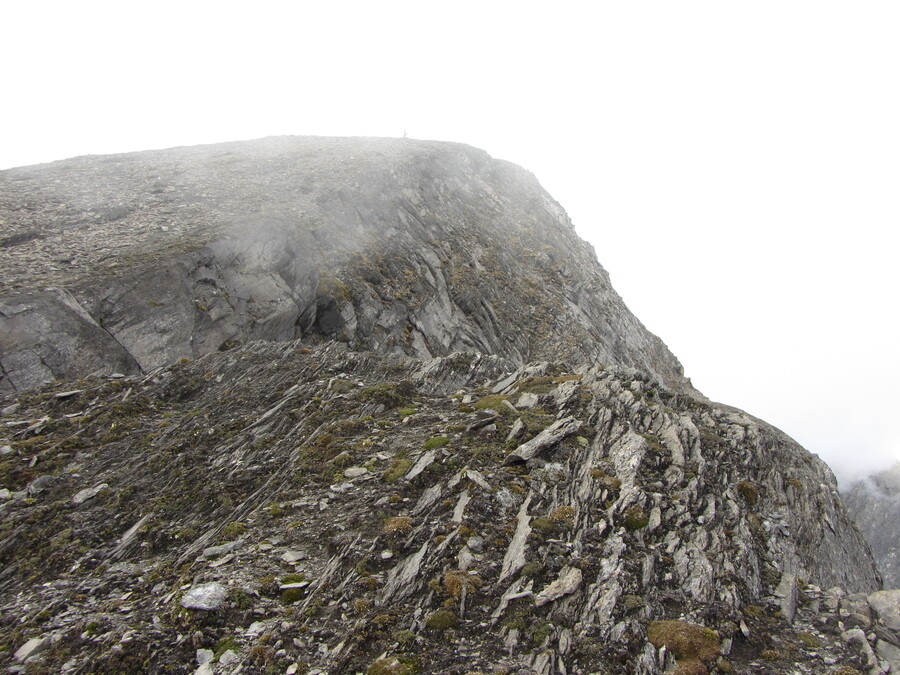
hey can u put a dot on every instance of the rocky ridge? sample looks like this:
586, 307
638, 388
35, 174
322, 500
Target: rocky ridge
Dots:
291, 509
345, 405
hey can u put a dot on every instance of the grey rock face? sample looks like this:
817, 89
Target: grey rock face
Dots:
47, 335
874, 504
658, 506
392, 245
404, 414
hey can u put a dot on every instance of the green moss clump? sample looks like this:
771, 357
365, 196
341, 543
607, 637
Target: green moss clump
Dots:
532, 569
610, 483
564, 515
441, 620
457, 580
543, 525
544, 385
491, 402
401, 524
293, 578
390, 665
233, 530
240, 598
388, 394
397, 470
748, 491
809, 640
291, 595
406, 412
436, 442
224, 645
686, 641
636, 518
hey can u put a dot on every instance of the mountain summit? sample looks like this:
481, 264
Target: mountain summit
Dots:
308, 405
395, 246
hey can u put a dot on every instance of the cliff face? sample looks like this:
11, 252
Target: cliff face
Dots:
371, 406
393, 245
875, 506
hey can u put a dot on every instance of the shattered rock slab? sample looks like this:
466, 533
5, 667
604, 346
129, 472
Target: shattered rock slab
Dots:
546, 439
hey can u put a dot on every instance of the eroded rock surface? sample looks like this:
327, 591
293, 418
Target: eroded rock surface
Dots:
398, 246
230, 473
341, 405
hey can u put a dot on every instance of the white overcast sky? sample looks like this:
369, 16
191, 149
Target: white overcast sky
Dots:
735, 165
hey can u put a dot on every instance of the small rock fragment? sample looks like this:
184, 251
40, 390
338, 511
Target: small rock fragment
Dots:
355, 472
40, 484
527, 400
549, 437
568, 581
887, 605
292, 556
222, 549
33, 647
205, 596
228, 657
204, 656
88, 493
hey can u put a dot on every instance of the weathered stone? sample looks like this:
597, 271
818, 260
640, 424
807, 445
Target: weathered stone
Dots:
787, 591
208, 597
890, 653
228, 657
567, 582
547, 438
514, 558
33, 647
355, 472
222, 549
856, 638
887, 605
88, 493
527, 400
292, 556
40, 484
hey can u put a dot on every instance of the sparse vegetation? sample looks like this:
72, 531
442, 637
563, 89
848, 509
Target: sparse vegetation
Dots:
436, 442
748, 491
442, 619
636, 518
397, 470
687, 641
398, 525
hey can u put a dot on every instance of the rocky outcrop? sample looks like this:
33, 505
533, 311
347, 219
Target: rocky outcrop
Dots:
337, 406
392, 245
346, 511
874, 504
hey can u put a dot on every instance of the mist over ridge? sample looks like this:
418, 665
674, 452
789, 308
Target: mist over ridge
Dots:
370, 405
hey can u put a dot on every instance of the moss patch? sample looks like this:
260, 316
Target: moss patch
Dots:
687, 641
441, 620
436, 442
